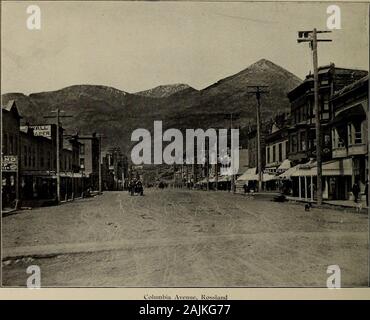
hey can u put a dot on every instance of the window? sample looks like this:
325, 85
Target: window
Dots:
41, 158
82, 163
25, 156
349, 132
326, 140
5, 144
268, 154
33, 158
82, 149
280, 152
15, 145
358, 132
49, 160
29, 156
274, 153
11, 146
294, 143
302, 141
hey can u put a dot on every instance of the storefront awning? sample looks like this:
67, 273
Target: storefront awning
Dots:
224, 178
300, 170
340, 167
285, 165
249, 175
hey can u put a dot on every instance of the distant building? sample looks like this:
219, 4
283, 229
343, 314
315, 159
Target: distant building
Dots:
89, 158
114, 170
276, 142
253, 146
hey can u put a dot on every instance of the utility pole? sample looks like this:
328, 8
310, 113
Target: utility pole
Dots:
258, 93
311, 37
100, 136
232, 116
58, 116
100, 188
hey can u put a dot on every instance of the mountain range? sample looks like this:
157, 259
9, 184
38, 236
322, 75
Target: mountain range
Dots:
116, 113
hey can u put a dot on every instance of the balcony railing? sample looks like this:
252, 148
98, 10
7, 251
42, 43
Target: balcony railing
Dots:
339, 152
357, 149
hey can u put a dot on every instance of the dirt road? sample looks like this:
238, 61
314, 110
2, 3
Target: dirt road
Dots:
184, 238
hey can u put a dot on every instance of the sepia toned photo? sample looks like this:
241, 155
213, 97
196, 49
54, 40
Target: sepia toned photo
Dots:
184, 144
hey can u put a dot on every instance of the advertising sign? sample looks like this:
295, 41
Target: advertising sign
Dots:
42, 131
9, 163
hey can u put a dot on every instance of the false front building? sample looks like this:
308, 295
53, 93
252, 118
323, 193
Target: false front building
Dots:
350, 136
302, 132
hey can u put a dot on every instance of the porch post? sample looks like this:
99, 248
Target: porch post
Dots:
305, 188
299, 187
311, 188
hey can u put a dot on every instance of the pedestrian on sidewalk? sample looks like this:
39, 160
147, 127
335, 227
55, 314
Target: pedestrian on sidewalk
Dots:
356, 191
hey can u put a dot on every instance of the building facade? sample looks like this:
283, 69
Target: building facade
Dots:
89, 153
350, 137
302, 131
29, 157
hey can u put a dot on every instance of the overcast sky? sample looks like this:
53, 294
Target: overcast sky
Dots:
138, 45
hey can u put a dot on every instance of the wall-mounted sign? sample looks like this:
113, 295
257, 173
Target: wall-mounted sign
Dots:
9, 163
42, 131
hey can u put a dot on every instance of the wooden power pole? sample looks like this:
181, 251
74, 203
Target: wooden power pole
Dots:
258, 93
311, 37
58, 116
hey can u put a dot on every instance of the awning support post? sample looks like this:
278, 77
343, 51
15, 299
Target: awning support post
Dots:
305, 188
311, 188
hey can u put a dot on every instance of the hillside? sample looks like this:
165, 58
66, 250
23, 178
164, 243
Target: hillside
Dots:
116, 113
165, 91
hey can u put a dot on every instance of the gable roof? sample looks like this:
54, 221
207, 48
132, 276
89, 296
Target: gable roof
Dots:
11, 106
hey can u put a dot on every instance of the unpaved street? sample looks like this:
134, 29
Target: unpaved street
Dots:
184, 238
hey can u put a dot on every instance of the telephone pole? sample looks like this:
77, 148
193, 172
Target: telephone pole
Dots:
100, 136
232, 116
311, 37
258, 91
58, 116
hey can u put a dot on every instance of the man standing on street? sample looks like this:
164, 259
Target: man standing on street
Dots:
355, 191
